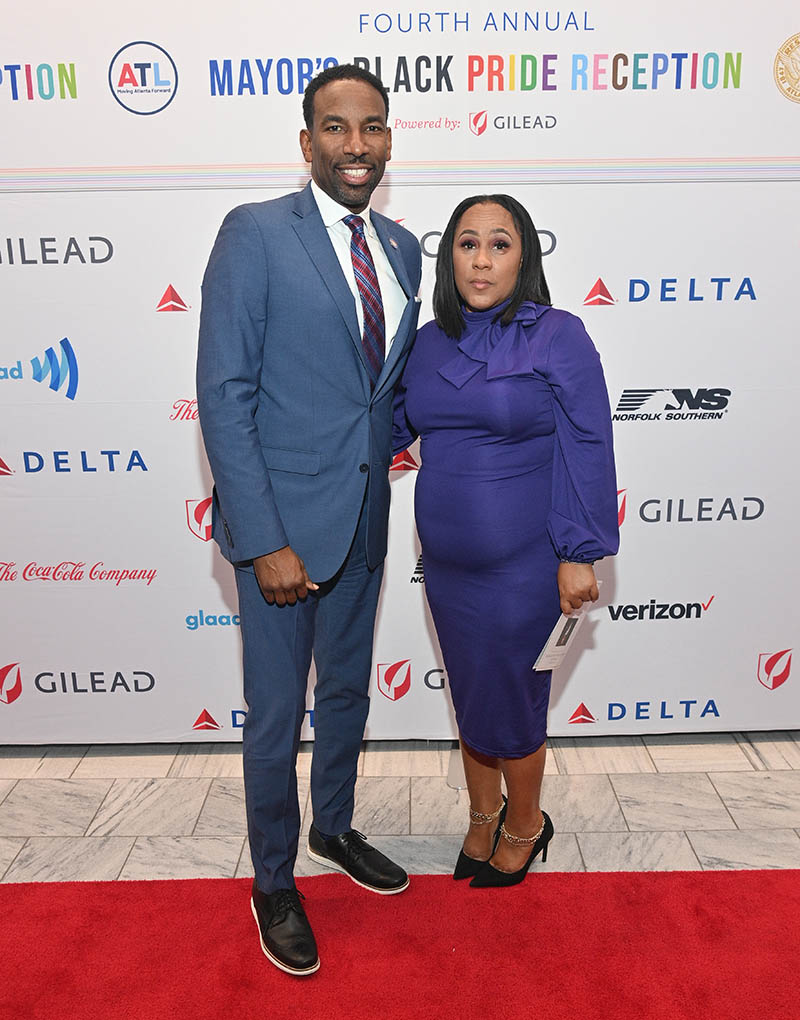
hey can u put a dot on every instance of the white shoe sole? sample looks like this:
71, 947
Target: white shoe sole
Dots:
326, 862
273, 959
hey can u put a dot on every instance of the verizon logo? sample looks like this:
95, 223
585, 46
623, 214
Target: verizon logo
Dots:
653, 610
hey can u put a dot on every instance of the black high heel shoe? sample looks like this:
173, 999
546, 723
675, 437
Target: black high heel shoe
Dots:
468, 867
489, 877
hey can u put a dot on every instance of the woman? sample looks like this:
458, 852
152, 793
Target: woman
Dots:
515, 500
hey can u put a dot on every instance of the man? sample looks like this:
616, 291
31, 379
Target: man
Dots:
309, 310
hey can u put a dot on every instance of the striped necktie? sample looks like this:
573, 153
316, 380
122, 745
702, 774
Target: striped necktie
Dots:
373, 339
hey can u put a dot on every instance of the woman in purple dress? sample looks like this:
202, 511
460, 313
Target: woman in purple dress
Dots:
515, 500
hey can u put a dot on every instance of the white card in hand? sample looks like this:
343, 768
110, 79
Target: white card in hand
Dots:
562, 636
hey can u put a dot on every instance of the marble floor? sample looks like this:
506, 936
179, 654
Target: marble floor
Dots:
685, 802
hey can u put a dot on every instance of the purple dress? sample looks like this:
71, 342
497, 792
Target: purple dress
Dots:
517, 473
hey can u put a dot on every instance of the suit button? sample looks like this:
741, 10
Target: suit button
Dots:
363, 468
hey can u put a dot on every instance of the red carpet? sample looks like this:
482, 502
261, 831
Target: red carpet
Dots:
704, 946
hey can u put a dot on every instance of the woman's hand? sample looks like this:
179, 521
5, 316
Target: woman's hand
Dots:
576, 585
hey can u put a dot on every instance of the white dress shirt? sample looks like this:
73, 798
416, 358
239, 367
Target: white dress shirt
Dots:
392, 294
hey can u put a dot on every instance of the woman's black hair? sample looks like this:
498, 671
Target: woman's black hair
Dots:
531, 284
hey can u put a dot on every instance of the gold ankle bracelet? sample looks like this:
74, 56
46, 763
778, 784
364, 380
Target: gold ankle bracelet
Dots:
519, 840
481, 818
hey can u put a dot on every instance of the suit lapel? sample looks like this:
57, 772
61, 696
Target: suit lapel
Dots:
383, 228
311, 230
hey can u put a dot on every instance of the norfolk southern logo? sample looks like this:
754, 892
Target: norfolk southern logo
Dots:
57, 367
143, 78
418, 577
704, 404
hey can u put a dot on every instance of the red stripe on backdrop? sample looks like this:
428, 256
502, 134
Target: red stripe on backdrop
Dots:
656, 946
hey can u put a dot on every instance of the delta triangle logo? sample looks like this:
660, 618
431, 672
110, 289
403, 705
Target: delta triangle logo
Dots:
599, 295
581, 715
172, 301
404, 462
5, 469
206, 721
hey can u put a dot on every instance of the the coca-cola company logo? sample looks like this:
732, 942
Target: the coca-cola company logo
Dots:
184, 409
10, 683
77, 571
394, 679
198, 517
774, 668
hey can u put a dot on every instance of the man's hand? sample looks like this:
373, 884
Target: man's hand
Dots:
576, 585
282, 577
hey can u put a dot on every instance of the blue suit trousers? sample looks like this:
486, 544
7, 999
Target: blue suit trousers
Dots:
336, 624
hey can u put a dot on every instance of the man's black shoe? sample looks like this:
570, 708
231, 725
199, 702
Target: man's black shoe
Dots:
351, 853
286, 936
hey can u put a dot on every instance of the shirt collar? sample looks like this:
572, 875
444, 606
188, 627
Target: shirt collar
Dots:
332, 213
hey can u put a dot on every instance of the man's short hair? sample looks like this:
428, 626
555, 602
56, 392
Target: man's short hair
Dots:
340, 72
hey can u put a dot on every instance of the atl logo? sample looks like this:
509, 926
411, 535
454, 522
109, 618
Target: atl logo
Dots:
774, 668
394, 679
143, 78
10, 683
171, 301
198, 517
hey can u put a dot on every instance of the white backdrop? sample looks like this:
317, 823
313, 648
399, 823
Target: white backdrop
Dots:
668, 205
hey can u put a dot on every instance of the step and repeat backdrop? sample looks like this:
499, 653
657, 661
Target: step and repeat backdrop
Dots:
657, 151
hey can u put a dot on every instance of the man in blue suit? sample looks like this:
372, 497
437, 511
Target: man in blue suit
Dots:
309, 311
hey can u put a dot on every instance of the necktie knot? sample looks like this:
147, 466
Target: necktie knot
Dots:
355, 223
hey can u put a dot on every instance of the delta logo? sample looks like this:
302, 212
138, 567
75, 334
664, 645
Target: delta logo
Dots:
672, 289
774, 668
10, 683
206, 721
143, 78
5, 469
58, 367
404, 462
83, 461
394, 679
676, 404
688, 708
171, 301
198, 517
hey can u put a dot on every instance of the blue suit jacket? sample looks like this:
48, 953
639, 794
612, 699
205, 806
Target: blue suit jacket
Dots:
294, 436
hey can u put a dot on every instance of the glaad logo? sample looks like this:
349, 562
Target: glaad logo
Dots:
61, 372
171, 301
198, 517
686, 709
394, 679
404, 462
206, 721
774, 668
653, 610
671, 289
680, 405
143, 78
201, 619
10, 683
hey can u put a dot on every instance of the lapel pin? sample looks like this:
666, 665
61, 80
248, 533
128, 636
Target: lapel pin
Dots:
392, 242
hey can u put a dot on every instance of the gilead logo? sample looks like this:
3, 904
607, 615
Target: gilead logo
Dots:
10, 683
394, 679
198, 517
774, 668
622, 503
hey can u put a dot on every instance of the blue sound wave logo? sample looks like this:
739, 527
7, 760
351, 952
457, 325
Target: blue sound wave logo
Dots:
60, 372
